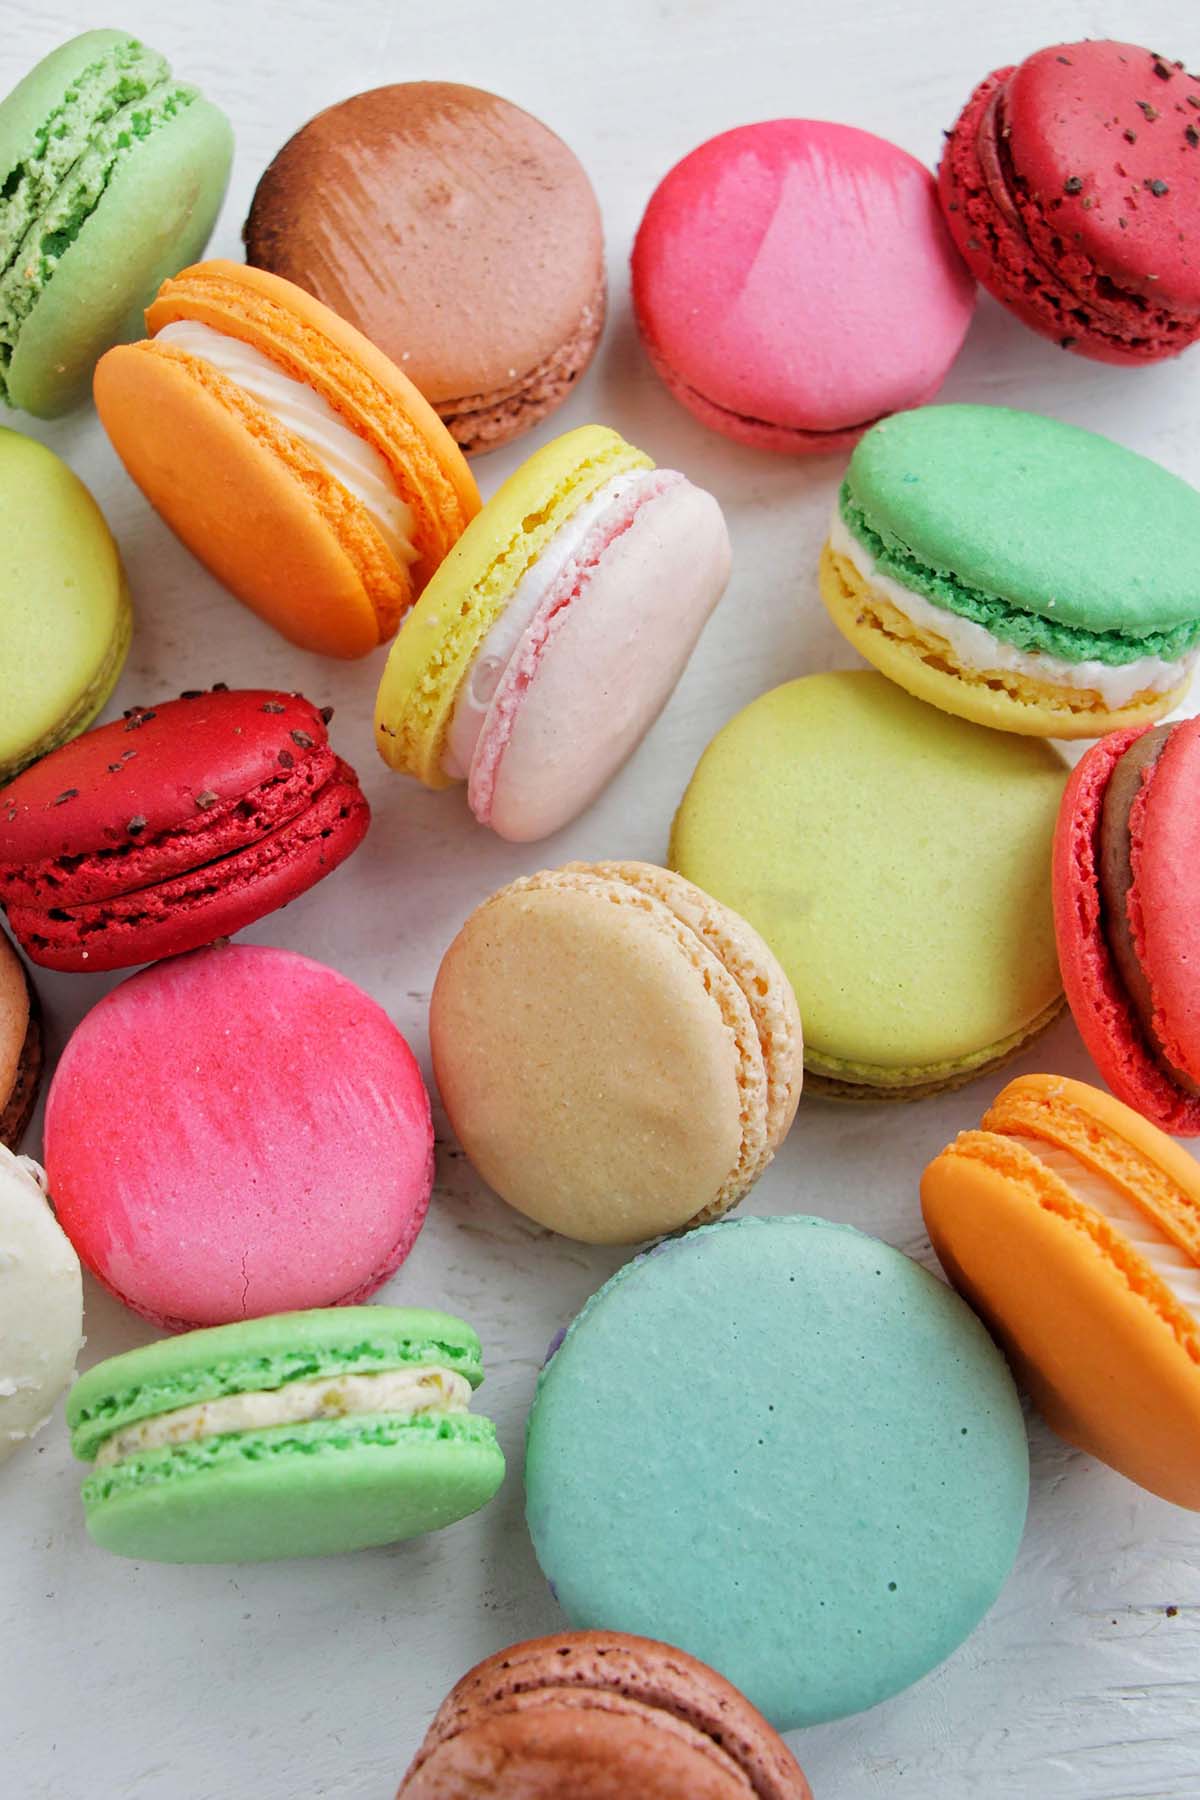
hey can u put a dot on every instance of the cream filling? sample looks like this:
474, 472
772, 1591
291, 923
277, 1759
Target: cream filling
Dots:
1173, 1266
307, 415
978, 649
400, 1393
503, 642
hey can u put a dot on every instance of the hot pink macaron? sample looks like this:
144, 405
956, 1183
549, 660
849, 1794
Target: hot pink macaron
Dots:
794, 282
1126, 859
237, 1132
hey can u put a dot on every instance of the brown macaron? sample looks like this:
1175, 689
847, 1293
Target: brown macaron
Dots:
20, 1046
599, 1715
457, 233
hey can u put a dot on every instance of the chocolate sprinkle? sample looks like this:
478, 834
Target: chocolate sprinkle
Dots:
286, 759
1063, 59
136, 824
67, 794
206, 799
220, 687
1131, 137
1161, 70
1192, 135
1158, 188
273, 706
192, 694
1194, 100
326, 713
301, 740
1073, 185
1151, 112
115, 768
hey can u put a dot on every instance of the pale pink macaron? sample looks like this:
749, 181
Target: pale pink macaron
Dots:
794, 282
236, 1132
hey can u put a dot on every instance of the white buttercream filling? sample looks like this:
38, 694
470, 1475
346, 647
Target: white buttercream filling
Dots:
503, 642
978, 649
400, 1393
1173, 1266
308, 416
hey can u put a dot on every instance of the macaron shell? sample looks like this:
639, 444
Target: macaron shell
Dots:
238, 1132
155, 216
431, 656
311, 1490
65, 615
41, 1305
1165, 829
925, 666
798, 232
610, 662
20, 1047
250, 518
1099, 1003
1103, 1367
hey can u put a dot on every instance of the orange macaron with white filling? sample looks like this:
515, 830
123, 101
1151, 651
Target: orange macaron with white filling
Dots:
288, 453
1072, 1225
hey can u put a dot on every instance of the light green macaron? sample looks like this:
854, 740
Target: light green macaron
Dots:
897, 861
112, 173
301, 1434
65, 616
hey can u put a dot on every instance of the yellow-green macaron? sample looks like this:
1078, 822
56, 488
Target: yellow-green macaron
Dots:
897, 861
553, 633
65, 616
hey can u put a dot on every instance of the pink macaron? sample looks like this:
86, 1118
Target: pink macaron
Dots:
794, 282
236, 1132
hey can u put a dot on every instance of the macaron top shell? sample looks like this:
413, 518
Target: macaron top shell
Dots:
800, 274
714, 1385
64, 604
832, 814
1101, 129
1031, 513
453, 228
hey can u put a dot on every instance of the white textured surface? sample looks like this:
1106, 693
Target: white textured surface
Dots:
305, 1680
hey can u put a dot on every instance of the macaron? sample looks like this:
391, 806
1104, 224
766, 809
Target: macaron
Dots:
299, 464
41, 1303
897, 861
789, 1450
618, 1054
587, 1715
237, 1132
112, 173
1017, 571
458, 233
1072, 1226
1126, 854
793, 281
65, 614
554, 633
1071, 184
304, 1434
175, 825
21, 1050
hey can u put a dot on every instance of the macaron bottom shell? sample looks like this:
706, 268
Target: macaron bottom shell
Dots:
295, 1491
925, 665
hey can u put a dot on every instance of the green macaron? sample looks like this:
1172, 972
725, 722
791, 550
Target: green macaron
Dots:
65, 616
112, 173
302, 1434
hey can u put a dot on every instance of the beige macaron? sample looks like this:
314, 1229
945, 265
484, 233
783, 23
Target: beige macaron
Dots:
619, 1054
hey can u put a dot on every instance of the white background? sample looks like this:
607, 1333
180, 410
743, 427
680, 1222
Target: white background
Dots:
307, 1679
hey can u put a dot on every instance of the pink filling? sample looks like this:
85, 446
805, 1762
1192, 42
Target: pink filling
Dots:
569, 590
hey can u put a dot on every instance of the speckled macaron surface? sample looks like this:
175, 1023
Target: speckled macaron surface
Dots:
785, 1447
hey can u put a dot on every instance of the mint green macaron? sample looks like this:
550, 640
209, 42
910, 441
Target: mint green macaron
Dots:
112, 173
302, 1434
65, 615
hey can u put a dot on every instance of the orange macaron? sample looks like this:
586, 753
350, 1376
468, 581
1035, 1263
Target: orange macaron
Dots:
1072, 1225
288, 453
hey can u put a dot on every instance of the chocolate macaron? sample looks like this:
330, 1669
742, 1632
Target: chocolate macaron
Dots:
458, 233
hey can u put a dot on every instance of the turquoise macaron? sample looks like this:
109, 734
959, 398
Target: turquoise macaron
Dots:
301, 1434
112, 173
786, 1448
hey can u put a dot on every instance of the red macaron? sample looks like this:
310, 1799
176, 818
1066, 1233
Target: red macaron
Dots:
1071, 184
176, 825
1126, 853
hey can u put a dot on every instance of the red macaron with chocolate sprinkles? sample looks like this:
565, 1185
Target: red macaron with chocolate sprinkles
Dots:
1071, 184
1126, 856
178, 824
